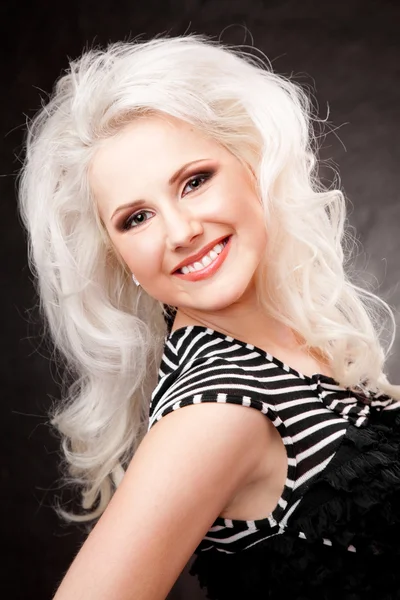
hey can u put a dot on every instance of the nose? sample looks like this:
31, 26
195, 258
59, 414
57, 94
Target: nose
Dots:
182, 227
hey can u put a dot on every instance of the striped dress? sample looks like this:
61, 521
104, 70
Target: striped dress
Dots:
335, 440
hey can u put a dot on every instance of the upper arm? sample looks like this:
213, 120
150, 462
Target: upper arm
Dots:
183, 474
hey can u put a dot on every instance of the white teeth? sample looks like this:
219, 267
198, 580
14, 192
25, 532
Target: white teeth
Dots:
205, 261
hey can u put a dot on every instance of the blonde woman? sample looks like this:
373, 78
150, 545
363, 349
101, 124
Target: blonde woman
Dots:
187, 256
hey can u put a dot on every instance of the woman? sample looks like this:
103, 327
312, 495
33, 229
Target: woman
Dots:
191, 168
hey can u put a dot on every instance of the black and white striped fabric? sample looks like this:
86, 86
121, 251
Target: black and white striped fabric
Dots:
311, 414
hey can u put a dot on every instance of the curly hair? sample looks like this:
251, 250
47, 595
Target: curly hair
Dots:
110, 334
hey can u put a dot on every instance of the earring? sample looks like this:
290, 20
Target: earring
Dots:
135, 281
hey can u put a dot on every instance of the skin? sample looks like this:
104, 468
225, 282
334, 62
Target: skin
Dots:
175, 221
164, 506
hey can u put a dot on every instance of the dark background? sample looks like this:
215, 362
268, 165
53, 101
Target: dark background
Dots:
349, 49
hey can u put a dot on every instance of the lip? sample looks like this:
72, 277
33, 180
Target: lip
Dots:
212, 268
199, 255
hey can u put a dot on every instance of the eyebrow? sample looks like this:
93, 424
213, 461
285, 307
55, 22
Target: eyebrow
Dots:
172, 180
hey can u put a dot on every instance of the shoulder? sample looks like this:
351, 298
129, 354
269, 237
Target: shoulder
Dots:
211, 443
205, 379
186, 470
216, 428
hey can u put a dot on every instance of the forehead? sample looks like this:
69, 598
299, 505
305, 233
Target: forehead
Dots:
148, 148
148, 138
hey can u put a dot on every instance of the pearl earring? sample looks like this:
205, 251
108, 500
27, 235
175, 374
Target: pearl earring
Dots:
135, 281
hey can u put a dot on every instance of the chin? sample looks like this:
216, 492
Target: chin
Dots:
220, 300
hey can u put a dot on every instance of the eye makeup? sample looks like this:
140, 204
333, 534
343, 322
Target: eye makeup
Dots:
126, 224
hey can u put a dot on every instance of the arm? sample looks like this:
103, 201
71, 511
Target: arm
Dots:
185, 471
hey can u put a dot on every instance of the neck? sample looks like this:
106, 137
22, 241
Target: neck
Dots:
263, 332
250, 325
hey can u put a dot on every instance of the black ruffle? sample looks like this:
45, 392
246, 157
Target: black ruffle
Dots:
355, 503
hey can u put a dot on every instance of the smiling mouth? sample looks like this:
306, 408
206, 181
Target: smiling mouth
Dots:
214, 259
206, 260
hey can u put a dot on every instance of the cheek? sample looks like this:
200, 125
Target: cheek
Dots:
247, 207
250, 218
142, 258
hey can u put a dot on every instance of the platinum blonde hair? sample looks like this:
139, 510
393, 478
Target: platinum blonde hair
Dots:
111, 334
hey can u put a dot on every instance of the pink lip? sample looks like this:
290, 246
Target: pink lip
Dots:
211, 269
199, 255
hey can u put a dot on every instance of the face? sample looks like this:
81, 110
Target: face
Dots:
166, 193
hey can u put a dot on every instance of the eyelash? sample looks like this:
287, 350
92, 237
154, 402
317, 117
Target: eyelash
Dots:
127, 224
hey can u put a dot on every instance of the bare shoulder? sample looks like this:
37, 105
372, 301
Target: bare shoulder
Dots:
185, 471
211, 437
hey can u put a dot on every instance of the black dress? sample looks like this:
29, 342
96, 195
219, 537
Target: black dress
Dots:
335, 532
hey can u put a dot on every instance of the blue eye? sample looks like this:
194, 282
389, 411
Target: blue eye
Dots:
130, 222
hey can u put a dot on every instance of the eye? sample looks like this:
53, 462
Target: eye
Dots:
139, 217
197, 181
135, 220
